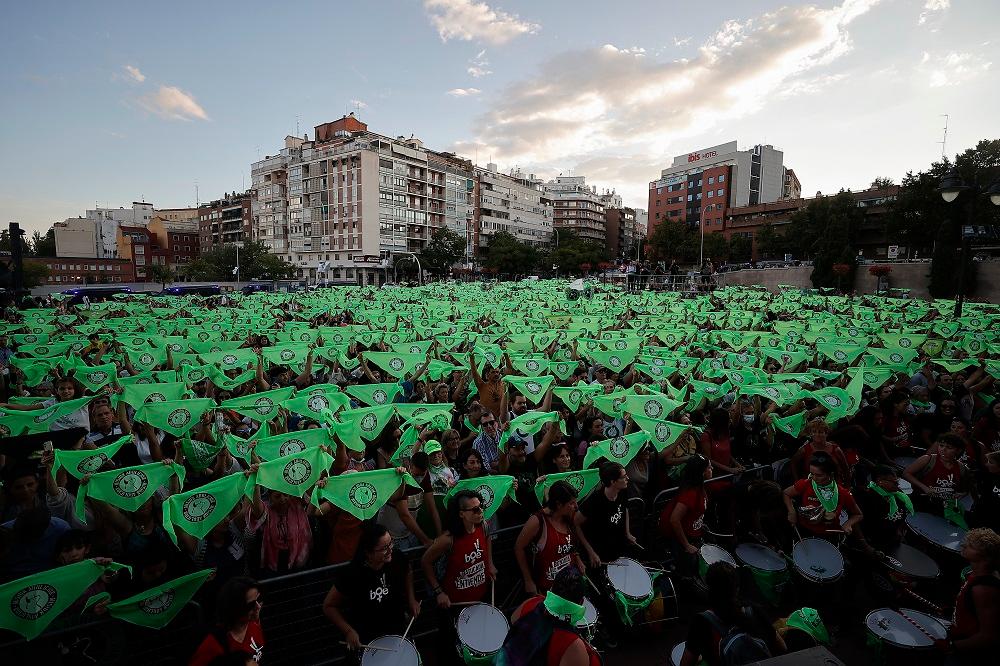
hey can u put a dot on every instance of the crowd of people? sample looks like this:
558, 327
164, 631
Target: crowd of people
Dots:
395, 431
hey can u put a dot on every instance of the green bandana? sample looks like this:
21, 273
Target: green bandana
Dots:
564, 609
891, 498
127, 488
374, 395
156, 607
492, 490
24, 422
198, 511
291, 443
362, 494
176, 417
292, 475
809, 621
583, 483
618, 449
87, 461
828, 495
136, 395
528, 424
532, 388
260, 407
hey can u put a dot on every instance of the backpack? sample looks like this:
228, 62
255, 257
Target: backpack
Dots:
736, 646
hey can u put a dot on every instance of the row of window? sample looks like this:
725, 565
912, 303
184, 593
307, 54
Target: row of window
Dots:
87, 267
69, 278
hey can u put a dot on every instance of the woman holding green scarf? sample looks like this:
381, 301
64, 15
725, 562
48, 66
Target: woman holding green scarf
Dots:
821, 500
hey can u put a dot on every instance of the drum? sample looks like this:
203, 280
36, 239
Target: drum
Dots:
906, 636
908, 565
709, 555
818, 561
390, 651
588, 625
481, 630
677, 653
936, 531
769, 570
634, 585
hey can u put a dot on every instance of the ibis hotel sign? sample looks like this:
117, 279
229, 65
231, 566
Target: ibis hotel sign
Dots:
711, 154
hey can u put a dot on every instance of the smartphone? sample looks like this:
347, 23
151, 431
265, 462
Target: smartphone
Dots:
47, 447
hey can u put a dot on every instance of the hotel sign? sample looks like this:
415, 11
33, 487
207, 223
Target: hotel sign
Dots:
694, 157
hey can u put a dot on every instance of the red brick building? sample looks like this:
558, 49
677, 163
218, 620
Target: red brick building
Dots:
84, 270
228, 220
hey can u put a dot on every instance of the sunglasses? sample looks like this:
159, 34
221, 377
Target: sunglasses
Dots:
473, 509
255, 603
487, 423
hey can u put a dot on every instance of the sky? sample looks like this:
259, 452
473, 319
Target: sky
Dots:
110, 102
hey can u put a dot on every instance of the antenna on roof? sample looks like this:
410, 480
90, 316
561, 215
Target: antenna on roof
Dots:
944, 138
197, 201
296, 124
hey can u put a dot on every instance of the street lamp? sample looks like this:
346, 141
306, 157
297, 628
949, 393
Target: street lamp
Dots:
951, 187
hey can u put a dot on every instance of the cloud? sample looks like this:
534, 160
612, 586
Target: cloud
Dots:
682, 42
932, 7
359, 104
810, 85
953, 68
173, 104
576, 98
134, 74
464, 92
468, 20
478, 65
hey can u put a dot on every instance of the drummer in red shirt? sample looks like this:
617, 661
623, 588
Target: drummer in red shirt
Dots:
239, 627
939, 475
548, 536
682, 519
468, 554
821, 500
975, 631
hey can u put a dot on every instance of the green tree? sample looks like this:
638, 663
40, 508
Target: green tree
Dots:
826, 231
256, 262
740, 249
770, 244
673, 240
444, 249
573, 251
716, 247
44, 246
882, 182
509, 256
160, 273
34, 274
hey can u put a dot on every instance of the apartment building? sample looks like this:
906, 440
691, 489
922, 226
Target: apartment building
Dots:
577, 207
509, 202
95, 235
225, 221
622, 234
347, 203
700, 186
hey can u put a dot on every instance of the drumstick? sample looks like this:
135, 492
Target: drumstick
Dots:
370, 647
914, 623
465, 603
403, 637
493, 591
796, 528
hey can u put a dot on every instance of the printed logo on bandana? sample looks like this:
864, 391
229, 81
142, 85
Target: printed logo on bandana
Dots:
621, 345
533, 387
652, 409
229, 359
736, 377
575, 480
263, 405
716, 364
614, 362
619, 447
98, 377
486, 494
130, 483
242, 448
369, 423
661, 432
286, 355
161, 603
363, 495
414, 349
905, 343
771, 393
203, 335
196, 375
380, 397
296, 471
91, 464
833, 400
840, 355
42, 351
659, 362
146, 359
575, 395
317, 403
869, 377
743, 358
712, 390
179, 418
198, 507
532, 365
33, 601
31, 339
291, 447
896, 358
155, 397
45, 415
396, 364
562, 368
145, 380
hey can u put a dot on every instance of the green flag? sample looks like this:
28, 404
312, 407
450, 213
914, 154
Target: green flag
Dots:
156, 607
136, 395
28, 605
872, 376
174, 416
362, 494
651, 406
260, 407
314, 405
95, 377
583, 482
618, 449
200, 455
370, 421
662, 434
127, 488
527, 424
396, 364
572, 396
291, 443
616, 360
612, 404
791, 425
532, 388
894, 356
493, 489
374, 395
16, 422
198, 511
87, 461
563, 369
293, 475
147, 358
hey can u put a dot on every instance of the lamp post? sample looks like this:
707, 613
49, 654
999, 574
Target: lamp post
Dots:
951, 188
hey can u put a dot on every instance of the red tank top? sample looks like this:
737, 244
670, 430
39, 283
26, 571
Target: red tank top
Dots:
465, 575
561, 639
940, 476
964, 622
552, 552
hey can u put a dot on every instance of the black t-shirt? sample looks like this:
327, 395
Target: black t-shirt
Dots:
375, 601
986, 511
515, 513
703, 638
605, 525
881, 529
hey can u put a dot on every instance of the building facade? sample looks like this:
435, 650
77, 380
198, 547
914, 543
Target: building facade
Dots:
699, 187
346, 204
512, 203
622, 233
576, 207
96, 234
225, 221
71, 271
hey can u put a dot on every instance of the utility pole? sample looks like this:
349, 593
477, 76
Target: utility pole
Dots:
16, 261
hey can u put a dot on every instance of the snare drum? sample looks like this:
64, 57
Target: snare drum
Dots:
818, 561
393, 651
769, 570
677, 653
908, 565
709, 555
906, 641
588, 625
936, 531
631, 580
481, 630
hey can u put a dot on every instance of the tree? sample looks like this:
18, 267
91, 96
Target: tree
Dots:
770, 243
34, 274
44, 246
716, 247
160, 273
826, 231
882, 182
673, 240
573, 251
256, 262
740, 249
444, 250
509, 256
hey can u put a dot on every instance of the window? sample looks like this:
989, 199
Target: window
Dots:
699, 182
690, 197
722, 178
657, 216
711, 180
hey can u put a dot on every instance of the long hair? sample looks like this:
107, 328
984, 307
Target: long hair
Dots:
231, 607
560, 493
693, 474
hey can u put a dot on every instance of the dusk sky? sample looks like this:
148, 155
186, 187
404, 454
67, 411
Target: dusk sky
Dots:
109, 102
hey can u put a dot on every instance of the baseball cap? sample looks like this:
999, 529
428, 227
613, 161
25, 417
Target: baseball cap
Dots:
432, 446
